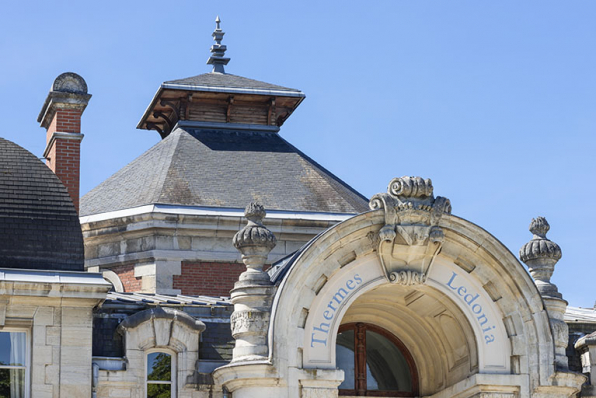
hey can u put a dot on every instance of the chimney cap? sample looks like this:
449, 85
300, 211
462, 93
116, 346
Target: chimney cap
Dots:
70, 82
69, 90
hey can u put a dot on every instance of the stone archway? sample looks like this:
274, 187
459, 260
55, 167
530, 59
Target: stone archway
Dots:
435, 322
409, 248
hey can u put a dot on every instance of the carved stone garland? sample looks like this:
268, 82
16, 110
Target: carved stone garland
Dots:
411, 238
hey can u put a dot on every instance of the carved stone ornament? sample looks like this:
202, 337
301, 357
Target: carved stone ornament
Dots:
255, 242
249, 322
407, 278
540, 255
411, 238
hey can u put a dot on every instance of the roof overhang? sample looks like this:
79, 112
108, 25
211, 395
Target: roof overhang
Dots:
167, 89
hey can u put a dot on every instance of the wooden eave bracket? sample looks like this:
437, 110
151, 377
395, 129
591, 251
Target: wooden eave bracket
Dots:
229, 109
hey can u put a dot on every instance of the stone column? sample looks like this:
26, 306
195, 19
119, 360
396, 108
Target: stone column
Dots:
253, 292
540, 255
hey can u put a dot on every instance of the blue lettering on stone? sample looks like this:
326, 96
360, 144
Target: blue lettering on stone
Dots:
476, 308
320, 333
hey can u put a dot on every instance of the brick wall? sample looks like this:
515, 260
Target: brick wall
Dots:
208, 278
65, 121
65, 154
126, 273
64, 160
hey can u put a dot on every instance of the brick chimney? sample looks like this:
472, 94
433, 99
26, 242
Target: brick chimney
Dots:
61, 117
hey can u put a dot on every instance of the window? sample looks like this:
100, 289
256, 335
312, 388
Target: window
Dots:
375, 363
160, 375
13, 364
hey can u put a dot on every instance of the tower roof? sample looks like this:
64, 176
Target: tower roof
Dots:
224, 168
39, 226
219, 97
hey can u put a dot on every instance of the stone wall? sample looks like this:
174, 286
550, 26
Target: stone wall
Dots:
55, 310
167, 253
61, 349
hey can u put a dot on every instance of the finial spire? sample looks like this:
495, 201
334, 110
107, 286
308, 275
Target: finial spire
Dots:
218, 50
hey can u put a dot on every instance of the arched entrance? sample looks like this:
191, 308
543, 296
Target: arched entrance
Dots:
462, 305
434, 320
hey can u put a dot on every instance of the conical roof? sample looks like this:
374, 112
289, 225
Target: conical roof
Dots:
224, 168
39, 226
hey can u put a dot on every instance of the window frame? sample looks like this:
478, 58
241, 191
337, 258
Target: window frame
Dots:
360, 362
173, 361
27, 331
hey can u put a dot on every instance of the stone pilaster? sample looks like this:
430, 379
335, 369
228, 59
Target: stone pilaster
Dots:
253, 292
540, 255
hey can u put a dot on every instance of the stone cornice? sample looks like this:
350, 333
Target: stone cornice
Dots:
199, 223
53, 284
61, 100
211, 211
60, 135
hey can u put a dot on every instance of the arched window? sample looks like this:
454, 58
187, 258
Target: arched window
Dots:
161, 375
375, 363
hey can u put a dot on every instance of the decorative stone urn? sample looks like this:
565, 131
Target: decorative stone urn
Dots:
540, 255
253, 292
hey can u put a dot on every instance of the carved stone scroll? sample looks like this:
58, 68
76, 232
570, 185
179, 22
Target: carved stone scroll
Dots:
411, 237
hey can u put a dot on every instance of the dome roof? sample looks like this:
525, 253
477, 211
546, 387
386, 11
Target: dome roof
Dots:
39, 226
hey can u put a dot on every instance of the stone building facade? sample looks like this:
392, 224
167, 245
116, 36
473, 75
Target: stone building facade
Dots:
224, 262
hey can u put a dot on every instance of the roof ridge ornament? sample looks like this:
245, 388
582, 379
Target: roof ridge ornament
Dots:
218, 50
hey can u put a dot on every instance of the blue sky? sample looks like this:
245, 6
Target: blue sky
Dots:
495, 101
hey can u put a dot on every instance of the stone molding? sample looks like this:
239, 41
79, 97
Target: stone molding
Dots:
257, 377
114, 279
56, 135
166, 313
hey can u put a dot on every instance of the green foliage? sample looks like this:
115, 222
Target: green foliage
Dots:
158, 390
4, 383
160, 369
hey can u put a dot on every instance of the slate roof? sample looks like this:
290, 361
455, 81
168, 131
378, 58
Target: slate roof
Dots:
224, 168
227, 81
39, 226
216, 342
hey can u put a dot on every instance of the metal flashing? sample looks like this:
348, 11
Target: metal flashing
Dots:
212, 211
234, 90
42, 276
